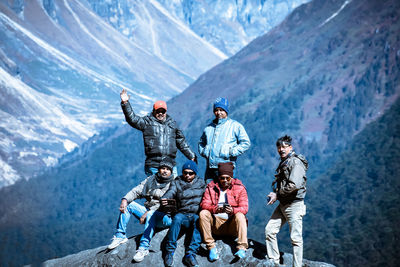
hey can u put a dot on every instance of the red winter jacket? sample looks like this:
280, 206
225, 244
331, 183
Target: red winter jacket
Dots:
237, 197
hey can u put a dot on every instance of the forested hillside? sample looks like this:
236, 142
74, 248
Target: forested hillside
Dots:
354, 208
73, 207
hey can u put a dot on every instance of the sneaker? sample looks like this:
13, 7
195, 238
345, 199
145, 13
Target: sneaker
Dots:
190, 260
213, 256
116, 241
140, 254
169, 259
241, 253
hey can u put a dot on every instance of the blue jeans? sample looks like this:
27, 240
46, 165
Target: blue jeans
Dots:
154, 219
151, 170
190, 222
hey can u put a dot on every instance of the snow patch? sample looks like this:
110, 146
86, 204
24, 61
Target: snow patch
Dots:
23, 154
8, 175
336, 13
69, 145
50, 161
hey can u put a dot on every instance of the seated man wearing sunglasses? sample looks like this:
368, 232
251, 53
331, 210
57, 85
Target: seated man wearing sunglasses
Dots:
224, 206
187, 190
161, 135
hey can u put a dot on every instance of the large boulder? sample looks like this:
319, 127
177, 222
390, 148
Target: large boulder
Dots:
123, 255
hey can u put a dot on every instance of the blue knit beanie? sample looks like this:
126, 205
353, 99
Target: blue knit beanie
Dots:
221, 102
191, 165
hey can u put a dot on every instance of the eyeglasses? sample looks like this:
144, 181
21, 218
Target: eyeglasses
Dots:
222, 178
161, 110
188, 173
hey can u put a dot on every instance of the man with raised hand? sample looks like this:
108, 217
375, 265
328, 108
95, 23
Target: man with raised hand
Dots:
161, 134
289, 187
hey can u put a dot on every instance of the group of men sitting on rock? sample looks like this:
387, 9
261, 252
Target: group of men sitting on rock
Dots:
186, 202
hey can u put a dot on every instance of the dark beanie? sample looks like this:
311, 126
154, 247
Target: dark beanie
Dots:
225, 168
191, 165
167, 162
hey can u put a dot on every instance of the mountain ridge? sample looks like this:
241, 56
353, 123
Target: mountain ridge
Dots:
67, 55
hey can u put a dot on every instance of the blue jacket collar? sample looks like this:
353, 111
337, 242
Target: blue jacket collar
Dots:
220, 121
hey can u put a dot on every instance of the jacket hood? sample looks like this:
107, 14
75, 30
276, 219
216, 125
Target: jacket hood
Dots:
303, 159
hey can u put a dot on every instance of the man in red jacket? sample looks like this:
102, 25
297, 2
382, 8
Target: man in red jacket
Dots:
224, 206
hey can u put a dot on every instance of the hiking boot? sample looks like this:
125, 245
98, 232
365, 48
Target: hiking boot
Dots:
190, 260
140, 254
116, 241
169, 259
213, 256
241, 253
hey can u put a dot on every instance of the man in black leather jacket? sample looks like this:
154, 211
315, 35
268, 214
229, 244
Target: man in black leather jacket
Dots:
161, 135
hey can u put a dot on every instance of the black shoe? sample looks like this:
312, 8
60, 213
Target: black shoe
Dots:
190, 260
169, 259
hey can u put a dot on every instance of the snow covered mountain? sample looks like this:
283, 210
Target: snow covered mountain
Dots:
63, 63
62, 67
229, 25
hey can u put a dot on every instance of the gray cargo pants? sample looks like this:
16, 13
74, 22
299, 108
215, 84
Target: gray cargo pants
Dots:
293, 214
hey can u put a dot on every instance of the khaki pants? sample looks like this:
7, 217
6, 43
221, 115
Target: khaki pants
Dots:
292, 213
235, 226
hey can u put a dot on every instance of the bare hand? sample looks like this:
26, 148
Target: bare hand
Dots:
228, 209
124, 204
272, 199
124, 95
143, 218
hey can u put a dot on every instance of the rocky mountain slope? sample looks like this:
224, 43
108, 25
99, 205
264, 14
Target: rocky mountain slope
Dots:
122, 255
228, 25
62, 67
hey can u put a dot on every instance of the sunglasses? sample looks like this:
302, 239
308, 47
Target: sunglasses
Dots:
221, 178
161, 110
189, 173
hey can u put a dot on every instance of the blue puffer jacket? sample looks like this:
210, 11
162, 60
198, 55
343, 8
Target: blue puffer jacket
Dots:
222, 141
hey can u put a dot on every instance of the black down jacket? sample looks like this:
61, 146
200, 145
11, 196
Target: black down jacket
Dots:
187, 195
161, 138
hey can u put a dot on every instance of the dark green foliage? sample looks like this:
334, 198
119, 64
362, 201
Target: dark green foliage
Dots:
75, 206
355, 206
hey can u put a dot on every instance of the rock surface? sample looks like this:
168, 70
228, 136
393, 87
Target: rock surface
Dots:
123, 255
